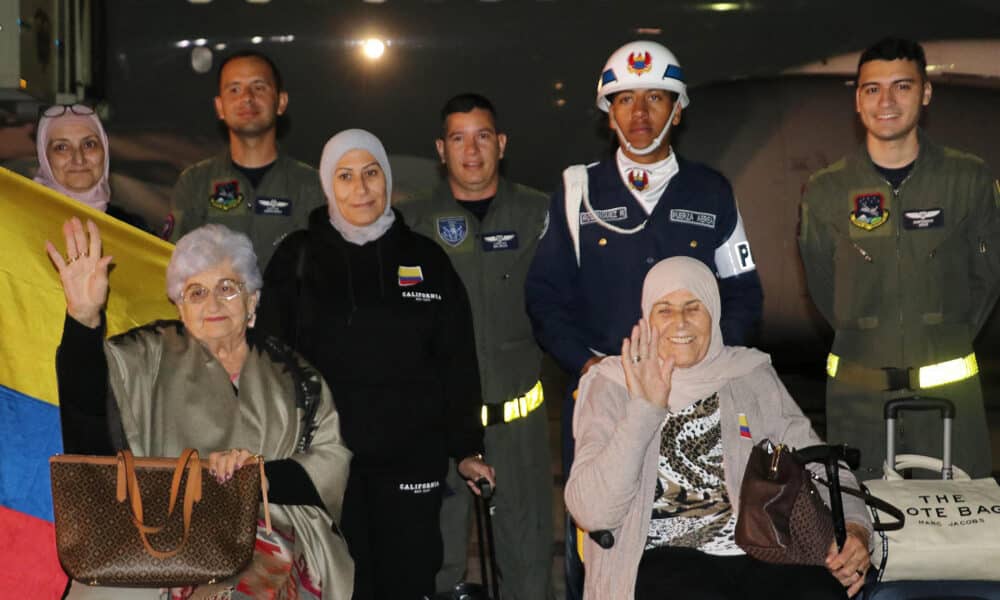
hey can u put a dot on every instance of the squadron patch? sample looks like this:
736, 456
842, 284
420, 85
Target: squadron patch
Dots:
926, 218
499, 240
640, 62
277, 207
226, 196
638, 179
410, 275
452, 230
869, 211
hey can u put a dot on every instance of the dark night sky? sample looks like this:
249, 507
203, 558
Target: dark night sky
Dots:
513, 51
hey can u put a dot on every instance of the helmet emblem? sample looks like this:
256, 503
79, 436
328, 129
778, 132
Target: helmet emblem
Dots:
640, 62
638, 179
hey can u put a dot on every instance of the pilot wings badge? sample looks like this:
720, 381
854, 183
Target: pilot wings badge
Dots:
925, 218
452, 230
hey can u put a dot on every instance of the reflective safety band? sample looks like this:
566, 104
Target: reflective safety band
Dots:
832, 363
928, 376
948, 371
512, 410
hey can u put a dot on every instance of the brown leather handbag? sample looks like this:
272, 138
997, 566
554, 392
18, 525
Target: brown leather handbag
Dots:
782, 517
153, 522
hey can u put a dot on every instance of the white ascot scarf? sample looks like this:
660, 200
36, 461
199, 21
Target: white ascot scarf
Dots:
647, 182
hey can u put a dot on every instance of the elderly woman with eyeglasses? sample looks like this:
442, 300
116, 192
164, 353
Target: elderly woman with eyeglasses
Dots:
205, 382
73, 159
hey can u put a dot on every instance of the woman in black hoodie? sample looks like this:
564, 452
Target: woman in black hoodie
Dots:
384, 317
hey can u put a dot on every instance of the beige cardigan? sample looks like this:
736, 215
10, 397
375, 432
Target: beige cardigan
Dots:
613, 478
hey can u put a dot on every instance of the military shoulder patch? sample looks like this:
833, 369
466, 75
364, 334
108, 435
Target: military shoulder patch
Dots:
226, 195
452, 230
869, 211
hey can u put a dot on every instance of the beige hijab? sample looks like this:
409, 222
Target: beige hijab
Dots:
721, 363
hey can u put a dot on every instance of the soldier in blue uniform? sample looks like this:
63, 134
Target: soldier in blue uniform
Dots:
613, 220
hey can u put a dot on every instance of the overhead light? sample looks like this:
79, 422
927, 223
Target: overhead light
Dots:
200, 42
183, 43
558, 85
373, 48
649, 30
220, 46
256, 39
722, 6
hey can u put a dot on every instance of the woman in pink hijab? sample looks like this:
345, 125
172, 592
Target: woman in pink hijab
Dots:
73, 159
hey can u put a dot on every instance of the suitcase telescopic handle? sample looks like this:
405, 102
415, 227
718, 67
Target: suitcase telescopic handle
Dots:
891, 412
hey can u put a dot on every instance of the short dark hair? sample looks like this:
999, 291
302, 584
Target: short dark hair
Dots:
278, 83
464, 103
894, 48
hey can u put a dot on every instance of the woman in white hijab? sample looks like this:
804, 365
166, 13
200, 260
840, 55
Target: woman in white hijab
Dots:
382, 314
663, 433
73, 159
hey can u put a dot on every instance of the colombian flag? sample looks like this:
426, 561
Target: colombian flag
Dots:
410, 275
744, 427
32, 308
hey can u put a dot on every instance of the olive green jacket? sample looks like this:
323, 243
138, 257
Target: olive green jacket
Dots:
492, 259
906, 278
214, 191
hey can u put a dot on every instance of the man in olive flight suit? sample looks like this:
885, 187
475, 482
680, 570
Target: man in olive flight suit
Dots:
901, 244
253, 188
490, 227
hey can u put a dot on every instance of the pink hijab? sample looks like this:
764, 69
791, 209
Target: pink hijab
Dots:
721, 363
97, 196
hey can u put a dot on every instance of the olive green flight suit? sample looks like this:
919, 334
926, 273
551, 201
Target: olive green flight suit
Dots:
214, 191
907, 278
492, 259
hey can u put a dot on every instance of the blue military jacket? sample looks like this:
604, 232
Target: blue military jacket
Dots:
578, 309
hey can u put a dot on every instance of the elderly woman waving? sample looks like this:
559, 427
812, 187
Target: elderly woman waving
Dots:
203, 382
663, 434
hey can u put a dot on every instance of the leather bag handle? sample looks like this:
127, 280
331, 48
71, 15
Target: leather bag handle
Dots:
128, 489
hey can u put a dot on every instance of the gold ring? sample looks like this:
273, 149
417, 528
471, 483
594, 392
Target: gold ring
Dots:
71, 260
636, 359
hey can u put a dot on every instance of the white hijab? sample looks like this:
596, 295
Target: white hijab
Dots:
97, 196
721, 363
335, 149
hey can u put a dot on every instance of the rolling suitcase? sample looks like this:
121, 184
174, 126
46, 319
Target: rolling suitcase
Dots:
489, 589
912, 589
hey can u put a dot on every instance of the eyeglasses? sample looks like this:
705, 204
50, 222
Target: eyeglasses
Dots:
224, 291
58, 110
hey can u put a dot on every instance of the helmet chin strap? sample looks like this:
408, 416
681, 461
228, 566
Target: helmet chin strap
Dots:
654, 145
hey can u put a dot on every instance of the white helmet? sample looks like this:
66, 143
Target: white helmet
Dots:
641, 65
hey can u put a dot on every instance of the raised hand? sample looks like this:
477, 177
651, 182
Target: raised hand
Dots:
84, 272
646, 375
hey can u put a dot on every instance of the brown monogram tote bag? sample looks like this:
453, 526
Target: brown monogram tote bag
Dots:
153, 522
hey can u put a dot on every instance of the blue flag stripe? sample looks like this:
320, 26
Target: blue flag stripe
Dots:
29, 435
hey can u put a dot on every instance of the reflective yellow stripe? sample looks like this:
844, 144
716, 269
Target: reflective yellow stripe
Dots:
929, 376
580, 534
520, 406
832, 362
948, 371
